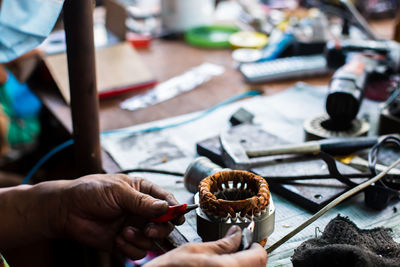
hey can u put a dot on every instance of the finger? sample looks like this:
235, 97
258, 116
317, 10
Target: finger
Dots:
179, 220
156, 191
142, 204
158, 230
129, 250
136, 221
137, 238
256, 256
229, 244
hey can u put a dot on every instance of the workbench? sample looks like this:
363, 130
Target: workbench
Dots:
166, 59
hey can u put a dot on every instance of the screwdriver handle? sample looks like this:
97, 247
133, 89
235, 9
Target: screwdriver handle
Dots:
345, 146
333, 146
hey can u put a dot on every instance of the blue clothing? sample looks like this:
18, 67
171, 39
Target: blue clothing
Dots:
24, 24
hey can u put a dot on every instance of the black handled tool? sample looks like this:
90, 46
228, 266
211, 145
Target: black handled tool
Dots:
334, 146
235, 156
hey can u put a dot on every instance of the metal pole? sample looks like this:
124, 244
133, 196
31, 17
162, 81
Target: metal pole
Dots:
78, 20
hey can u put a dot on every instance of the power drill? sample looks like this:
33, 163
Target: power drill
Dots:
357, 62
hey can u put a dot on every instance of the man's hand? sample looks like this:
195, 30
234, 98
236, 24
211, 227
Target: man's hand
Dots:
218, 253
113, 211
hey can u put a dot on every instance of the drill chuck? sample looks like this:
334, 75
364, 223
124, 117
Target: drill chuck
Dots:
343, 102
346, 92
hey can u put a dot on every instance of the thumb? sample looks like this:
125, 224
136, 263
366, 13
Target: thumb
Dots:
145, 205
229, 244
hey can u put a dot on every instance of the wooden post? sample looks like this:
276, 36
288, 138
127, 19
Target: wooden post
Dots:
78, 19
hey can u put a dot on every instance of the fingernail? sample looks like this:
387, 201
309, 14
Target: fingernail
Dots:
129, 233
150, 229
181, 220
159, 204
151, 232
233, 231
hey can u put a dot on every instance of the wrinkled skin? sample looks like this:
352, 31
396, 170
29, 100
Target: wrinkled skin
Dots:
113, 211
219, 253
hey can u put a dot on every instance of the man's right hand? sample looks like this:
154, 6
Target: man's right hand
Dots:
219, 253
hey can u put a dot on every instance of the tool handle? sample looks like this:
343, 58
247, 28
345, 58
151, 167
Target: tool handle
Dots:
303, 148
345, 146
334, 146
273, 50
172, 213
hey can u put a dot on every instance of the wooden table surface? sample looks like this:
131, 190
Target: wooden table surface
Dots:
167, 59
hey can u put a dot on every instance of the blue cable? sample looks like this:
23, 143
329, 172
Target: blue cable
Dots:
68, 143
175, 124
45, 158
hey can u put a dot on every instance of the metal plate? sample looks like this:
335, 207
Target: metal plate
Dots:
314, 130
309, 194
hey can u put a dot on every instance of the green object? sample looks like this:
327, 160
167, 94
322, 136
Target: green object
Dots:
214, 36
22, 108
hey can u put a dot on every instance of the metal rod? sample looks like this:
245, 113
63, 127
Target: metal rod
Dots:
361, 22
78, 19
332, 204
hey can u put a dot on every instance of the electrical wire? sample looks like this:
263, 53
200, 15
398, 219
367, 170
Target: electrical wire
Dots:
46, 157
194, 118
68, 143
374, 152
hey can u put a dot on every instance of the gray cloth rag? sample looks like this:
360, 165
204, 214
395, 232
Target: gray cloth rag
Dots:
344, 244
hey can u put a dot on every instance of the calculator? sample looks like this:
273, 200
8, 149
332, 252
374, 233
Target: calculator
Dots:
285, 68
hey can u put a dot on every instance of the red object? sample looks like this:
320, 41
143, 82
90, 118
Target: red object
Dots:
174, 212
134, 87
138, 41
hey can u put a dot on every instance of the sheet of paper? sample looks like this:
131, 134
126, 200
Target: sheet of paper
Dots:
115, 66
281, 114
174, 86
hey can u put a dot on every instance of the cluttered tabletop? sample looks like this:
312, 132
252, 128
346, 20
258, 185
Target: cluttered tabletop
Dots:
306, 97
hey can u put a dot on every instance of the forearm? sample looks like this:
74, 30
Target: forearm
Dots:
28, 213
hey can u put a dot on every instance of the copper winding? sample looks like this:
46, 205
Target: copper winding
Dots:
254, 184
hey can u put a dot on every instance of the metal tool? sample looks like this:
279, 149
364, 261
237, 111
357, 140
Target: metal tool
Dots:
389, 120
236, 157
352, 15
358, 62
311, 195
317, 128
359, 19
247, 237
199, 169
174, 212
345, 91
362, 164
373, 59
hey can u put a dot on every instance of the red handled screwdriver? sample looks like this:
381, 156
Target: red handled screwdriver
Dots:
174, 212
